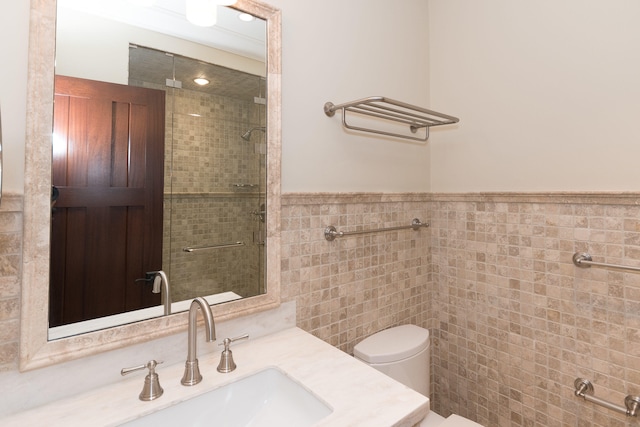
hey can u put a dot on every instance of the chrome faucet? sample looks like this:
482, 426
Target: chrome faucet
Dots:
160, 280
191, 370
160, 284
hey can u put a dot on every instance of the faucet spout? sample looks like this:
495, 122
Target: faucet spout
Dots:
164, 283
191, 370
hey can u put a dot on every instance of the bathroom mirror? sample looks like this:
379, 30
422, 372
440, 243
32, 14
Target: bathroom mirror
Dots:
116, 217
35, 348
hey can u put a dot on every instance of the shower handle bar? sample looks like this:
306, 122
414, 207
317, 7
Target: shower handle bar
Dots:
330, 232
202, 248
584, 260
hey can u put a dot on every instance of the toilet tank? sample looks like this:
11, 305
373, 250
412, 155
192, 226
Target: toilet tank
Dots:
401, 352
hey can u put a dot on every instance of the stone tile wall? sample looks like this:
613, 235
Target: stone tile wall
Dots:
517, 322
354, 286
10, 262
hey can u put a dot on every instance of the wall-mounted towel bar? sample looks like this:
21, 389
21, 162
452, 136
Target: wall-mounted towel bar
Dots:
584, 389
583, 260
202, 248
330, 233
392, 111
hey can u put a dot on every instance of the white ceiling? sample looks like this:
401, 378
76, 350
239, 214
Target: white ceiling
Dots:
168, 17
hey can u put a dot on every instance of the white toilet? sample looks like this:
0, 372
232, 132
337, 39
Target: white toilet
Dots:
402, 352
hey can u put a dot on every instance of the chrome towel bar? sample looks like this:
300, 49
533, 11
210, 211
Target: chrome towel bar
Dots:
584, 260
584, 389
202, 248
391, 110
330, 232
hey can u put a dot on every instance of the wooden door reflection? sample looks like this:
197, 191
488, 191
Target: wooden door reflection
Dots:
106, 230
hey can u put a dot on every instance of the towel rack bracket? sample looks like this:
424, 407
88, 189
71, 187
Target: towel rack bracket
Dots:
583, 386
329, 110
578, 257
330, 233
632, 403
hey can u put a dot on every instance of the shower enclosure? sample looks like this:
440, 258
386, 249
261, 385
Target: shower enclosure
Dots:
215, 173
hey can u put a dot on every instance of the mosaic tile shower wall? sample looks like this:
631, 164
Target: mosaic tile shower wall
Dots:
204, 221
213, 177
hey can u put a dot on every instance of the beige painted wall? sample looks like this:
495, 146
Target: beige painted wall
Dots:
14, 36
340, 51
547, 94
547, 91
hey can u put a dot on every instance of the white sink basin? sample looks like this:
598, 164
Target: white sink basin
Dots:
264, 399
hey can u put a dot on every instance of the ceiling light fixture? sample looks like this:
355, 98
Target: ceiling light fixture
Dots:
246, 17
203, 13
201, 81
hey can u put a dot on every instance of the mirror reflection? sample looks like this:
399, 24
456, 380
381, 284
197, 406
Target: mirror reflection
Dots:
162, 172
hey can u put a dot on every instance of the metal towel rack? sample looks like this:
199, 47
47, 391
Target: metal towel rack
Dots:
584, 389
330, 232
392, 111
584, 260
202, 248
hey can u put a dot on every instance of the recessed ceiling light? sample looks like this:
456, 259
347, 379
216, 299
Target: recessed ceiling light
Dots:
246, 17
201, 81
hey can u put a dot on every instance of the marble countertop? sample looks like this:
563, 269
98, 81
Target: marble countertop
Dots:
358, 394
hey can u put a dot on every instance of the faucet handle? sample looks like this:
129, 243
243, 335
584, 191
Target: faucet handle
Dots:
226, 358
152, 389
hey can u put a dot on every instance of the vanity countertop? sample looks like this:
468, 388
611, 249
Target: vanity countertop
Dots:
358, 394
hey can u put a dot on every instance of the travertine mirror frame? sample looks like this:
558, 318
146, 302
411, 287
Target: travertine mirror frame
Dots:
35, 349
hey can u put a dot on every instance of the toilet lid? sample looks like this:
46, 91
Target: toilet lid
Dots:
393, 344
458, 421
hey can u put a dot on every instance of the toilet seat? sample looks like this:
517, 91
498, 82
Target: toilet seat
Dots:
393, 344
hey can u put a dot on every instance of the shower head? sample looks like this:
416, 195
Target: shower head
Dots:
247, 135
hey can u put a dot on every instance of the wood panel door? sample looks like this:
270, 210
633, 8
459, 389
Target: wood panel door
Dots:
108, 161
